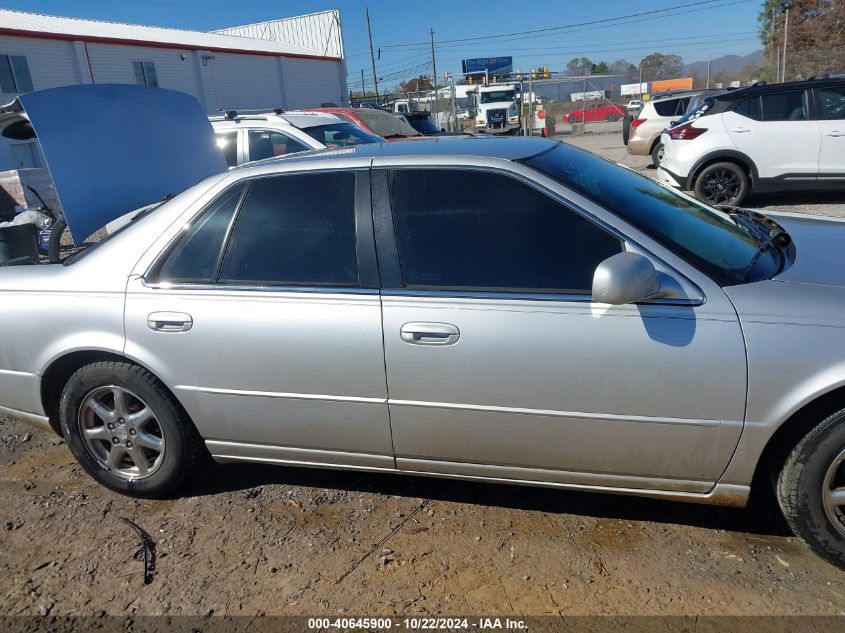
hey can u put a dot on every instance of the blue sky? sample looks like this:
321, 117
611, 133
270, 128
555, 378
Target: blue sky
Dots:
400, 28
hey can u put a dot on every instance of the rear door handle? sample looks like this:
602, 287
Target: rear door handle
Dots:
430, 333
834, 133
741, 130
170, 321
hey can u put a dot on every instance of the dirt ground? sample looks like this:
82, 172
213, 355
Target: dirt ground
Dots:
248, 540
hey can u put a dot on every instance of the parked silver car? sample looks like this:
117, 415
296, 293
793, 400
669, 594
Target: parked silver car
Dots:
512, 310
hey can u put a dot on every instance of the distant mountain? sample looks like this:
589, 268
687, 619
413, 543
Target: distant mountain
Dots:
729, 64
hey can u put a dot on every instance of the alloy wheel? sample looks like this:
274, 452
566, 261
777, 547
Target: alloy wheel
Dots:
833, 492
721, 185
122, 432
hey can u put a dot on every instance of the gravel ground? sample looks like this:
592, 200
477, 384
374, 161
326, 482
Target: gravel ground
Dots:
248, 540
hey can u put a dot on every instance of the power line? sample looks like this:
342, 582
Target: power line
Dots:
589, 25
557, 28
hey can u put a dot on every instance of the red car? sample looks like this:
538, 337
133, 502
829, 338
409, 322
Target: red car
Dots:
595, 111
386, 125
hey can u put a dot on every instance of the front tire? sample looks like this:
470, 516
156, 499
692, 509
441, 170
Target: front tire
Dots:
54, 243
723, 184
811, 489
126, 430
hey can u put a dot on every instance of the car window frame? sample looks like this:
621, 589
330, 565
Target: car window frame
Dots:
365, 249
387, 244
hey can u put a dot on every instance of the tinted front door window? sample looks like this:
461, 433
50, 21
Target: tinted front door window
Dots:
297, 229
469, 229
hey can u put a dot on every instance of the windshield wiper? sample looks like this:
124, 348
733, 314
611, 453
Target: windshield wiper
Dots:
395, 136
765, 230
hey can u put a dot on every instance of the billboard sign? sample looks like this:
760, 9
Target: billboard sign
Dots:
587, 96
632, 89
493, 65
672, 84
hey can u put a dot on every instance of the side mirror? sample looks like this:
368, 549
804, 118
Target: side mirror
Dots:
625, 278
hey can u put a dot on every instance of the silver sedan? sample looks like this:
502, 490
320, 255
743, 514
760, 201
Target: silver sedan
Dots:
512, 310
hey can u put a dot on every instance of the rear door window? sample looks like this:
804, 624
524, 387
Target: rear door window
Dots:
750, 108
270, 143
785, 106
195, 257
671, 107
296, 229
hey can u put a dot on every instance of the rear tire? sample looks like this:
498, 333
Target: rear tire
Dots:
723, 184
612, 117
572, 120
657, 154
626, 128
811, 489
126, 430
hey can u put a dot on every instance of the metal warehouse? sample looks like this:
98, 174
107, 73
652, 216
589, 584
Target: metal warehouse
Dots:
288, 63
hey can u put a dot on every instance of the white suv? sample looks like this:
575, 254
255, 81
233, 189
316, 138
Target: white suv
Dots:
783, 137
248, 137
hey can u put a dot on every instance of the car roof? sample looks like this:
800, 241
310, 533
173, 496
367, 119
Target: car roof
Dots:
760, 89
298, 119
676, 94
507, 148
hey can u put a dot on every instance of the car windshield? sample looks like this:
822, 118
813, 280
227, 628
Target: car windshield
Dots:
341, 134
706, 237
497, 95
385, 124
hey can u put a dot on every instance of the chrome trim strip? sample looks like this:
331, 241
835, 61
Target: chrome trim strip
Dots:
12, 372
522, 296
554, 413
575, 415
278, 394
33, 419
347, 290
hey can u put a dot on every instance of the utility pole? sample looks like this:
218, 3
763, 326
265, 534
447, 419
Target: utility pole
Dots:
363, 86
434, 79
372, 57
785, 34
584, 104
530, 117
641, 80
708, 74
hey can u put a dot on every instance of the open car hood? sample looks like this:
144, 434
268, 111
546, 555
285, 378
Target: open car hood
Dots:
112, 148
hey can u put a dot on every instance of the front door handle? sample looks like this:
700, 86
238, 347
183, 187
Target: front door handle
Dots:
834, 133
741, 130
170, 321
430, 333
